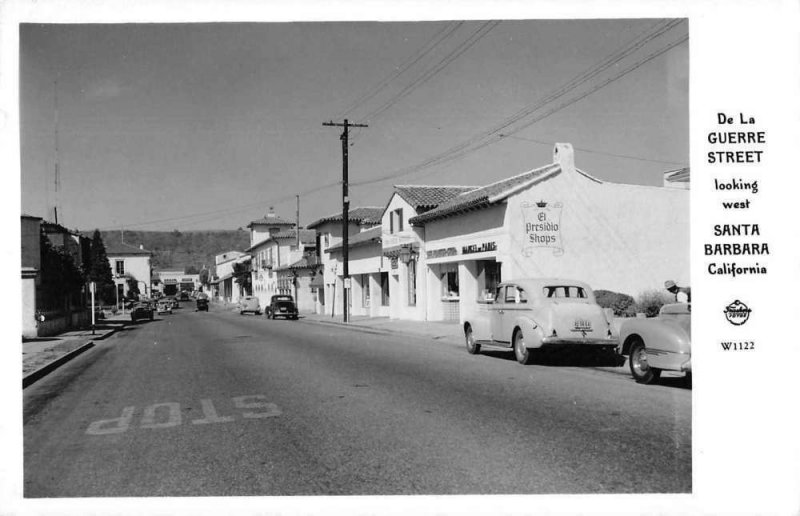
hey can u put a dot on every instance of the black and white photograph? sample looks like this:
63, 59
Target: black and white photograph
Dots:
287, 262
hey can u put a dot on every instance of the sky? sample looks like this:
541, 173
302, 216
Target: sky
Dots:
207, 125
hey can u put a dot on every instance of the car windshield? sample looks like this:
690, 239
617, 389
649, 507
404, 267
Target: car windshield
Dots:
564, 291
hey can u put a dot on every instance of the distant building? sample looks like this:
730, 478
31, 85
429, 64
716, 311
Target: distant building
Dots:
173, 282
279, 252
224, 288
129, 263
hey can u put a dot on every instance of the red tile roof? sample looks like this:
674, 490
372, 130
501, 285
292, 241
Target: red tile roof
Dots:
271, 219
369, 236
426, 197
365, 216
487, 195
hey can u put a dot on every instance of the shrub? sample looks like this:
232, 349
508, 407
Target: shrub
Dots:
621, 304
651, 301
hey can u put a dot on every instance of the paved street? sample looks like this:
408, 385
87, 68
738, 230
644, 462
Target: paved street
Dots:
220, 404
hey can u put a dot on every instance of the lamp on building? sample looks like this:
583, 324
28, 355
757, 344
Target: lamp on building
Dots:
406, 253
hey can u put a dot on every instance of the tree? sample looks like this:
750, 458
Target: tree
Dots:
133, 286
100, 269
191, 269
241, 274
61, 278
204, 275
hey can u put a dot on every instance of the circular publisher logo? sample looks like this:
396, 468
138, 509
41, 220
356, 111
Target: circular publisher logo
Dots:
737, 313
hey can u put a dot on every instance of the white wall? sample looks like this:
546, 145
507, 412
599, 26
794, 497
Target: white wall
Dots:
623, 238
616, 237
29, 307
398, 299
137, 266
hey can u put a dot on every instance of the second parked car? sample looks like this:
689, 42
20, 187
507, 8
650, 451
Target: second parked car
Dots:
662, 343
142, 310
282, 306
249, 304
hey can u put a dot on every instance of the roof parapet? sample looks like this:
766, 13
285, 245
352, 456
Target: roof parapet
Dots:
564, 155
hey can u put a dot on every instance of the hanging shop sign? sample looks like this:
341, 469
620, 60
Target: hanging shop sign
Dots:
441, 253
542, 227
485, 247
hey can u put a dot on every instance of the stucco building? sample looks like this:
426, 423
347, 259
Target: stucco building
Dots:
129, 262
553, 221
330, 235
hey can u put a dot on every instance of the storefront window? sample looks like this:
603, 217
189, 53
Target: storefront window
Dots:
384, 289
412, 283
449, 279
365, 290
488, 279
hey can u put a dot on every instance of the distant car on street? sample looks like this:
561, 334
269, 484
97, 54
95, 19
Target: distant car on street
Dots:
282, 305
202, 303
531, 314
142, 310
661, 343
164, 307
249, 304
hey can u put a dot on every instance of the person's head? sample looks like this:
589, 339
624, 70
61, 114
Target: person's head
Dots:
671, 286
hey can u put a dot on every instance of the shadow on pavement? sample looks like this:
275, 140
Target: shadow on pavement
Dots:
565, 358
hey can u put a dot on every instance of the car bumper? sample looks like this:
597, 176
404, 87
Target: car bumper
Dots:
578, 342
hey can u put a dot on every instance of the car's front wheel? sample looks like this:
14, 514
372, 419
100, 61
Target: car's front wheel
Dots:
640, 368
523, 354
473, 348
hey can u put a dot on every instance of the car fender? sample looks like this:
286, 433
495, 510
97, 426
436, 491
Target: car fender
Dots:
531, 330
480, 327
656, 334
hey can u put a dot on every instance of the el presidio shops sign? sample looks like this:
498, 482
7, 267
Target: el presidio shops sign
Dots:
542, 227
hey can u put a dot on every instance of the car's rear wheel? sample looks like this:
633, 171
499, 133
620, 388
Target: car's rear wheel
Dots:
523, 354
640, 368
473, 348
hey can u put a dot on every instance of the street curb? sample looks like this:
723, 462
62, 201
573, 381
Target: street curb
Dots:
55, 364
375, 331
105, 335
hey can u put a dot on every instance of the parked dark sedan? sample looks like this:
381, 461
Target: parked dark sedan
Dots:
142, 311
281, 306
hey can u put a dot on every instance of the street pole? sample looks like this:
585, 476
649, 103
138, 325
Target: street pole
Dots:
92, 288
345, 217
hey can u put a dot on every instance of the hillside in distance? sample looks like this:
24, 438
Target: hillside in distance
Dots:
178, 250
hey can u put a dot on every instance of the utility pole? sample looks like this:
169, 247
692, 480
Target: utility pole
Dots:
297, 228
345, 216
57, 181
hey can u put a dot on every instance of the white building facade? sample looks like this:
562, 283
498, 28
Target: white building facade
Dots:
130, 263
554, 221
330, 235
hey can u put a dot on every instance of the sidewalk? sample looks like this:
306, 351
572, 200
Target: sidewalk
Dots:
41, 356
442, 331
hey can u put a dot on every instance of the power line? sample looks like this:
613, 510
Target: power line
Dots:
642, 39
487, 137
476, 36
437, 39
626, 156
541, 117
211, 215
